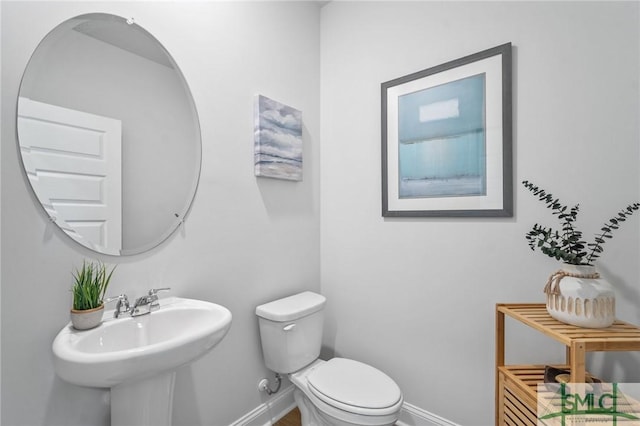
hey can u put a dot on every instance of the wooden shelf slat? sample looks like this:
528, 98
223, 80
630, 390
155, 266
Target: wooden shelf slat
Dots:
619, 336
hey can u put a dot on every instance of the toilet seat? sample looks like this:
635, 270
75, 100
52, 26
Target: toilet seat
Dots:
354, 387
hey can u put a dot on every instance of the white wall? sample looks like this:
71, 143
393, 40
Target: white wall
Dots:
389, 282
416, 297
246, 241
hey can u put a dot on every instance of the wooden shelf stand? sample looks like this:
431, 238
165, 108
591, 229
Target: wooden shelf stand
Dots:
516, 385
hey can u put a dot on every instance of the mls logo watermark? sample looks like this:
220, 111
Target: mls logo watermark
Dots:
588, 404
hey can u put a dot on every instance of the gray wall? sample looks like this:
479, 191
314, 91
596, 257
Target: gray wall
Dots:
416, 297
246, 241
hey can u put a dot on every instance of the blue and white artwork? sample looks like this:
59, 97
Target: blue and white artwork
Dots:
442, 140
278, 140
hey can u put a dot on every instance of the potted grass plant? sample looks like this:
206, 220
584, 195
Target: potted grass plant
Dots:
89, 287
576, 294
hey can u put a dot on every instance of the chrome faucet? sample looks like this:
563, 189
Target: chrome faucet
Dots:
150, 301
122, 304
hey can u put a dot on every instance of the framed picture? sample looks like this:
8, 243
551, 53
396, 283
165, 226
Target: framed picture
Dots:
277, 140
446, 139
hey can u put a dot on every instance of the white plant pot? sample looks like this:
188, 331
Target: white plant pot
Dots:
580, 301
90, 318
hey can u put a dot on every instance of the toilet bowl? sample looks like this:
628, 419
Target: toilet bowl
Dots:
337, 392
344, 392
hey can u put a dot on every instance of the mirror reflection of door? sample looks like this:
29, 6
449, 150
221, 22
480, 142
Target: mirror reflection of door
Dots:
106, 66
73, 161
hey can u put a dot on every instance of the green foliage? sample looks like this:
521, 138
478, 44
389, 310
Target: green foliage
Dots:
90, 285
567, 243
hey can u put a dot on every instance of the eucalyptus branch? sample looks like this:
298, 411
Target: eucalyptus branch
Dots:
568, 245
607, 229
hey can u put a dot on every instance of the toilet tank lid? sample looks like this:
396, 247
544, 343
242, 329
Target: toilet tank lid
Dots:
292, 307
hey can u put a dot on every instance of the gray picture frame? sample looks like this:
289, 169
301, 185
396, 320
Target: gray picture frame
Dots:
418, 183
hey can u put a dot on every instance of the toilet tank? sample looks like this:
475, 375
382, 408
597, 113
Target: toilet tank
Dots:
291, 331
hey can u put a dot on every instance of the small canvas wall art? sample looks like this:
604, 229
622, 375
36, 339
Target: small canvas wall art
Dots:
277, 139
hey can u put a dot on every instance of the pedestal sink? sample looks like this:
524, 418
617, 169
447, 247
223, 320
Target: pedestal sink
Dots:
136, 357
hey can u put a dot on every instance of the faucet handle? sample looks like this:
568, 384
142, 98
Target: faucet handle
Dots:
120, 300
154, 291
153, 298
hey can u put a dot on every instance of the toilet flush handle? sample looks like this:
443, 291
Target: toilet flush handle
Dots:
289, 327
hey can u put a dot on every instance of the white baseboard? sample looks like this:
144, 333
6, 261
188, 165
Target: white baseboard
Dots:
271, 411
410, 415
268, 413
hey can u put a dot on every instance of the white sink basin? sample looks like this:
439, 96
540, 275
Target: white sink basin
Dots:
129, 348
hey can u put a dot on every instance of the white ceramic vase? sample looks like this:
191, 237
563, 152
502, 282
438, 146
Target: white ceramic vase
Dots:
90, 318
575, 297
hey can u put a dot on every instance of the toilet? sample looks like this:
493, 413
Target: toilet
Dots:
337, 392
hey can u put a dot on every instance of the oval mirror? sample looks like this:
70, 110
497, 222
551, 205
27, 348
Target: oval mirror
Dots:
109, 134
